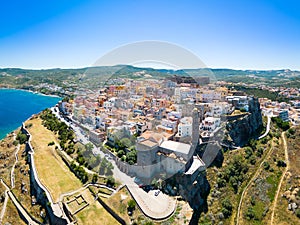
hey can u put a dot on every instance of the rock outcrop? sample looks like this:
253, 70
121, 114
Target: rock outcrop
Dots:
195, 192
246, 126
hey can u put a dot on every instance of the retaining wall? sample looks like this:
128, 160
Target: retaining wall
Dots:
55, 211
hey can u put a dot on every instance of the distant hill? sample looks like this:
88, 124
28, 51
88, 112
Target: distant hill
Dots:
94, 76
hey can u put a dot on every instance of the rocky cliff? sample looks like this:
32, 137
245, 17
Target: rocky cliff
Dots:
242, 128
195, 192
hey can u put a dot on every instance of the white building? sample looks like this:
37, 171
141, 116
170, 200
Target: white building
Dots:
185, 127
210, 123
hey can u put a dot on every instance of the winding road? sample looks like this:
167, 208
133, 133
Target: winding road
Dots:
267, 129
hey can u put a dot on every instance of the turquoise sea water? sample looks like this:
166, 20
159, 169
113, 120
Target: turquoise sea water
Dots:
16, 106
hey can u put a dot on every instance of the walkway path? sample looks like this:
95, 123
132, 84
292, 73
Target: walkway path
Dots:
12, 172
282, 177
5, 202
267, 129
19, 207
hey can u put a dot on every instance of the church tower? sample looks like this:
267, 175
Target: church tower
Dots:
195, 127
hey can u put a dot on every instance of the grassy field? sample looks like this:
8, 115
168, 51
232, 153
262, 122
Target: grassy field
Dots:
94, 213
52, 171
118, 203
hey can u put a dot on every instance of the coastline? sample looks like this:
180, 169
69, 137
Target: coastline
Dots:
34, 92
16, 121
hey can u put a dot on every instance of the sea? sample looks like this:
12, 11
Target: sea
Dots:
16, 106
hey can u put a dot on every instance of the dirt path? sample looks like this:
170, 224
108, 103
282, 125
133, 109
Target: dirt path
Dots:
282, 177
5, 202
12, 173
250, 182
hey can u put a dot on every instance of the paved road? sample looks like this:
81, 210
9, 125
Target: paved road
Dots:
267, 129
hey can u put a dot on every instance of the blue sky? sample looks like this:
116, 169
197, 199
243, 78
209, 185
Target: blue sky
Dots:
238, 34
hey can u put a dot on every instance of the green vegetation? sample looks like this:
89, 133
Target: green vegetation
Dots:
95, 178
226, 208
125, 149
280, 123
79, 172
106, 167
22, 138
65, 134
131, 204
259, 93
273, 180
233, 173
297, 213
51, 143
110, 181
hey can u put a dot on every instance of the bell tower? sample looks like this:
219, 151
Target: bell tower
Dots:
195, 127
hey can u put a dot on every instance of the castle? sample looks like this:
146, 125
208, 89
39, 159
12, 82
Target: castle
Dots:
156, 155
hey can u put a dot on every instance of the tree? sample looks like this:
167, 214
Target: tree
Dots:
226, 208
131, 204
266, 166
250, 213
95, 178
298, 212
131, 157
51, 143
125, 142
252, 159
248, 152
89, 147
22, 138
110, 181
281, 163
120, 153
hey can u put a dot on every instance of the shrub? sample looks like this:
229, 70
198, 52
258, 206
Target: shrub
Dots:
250, 213
248, 152
297, 213
51, 143
266, 165
110, 181
131, 204
22, 138
120, 153
95, 178
281, 163
252, 160
226, 208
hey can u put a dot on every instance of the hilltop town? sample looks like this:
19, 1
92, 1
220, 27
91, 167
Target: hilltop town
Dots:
148, 150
